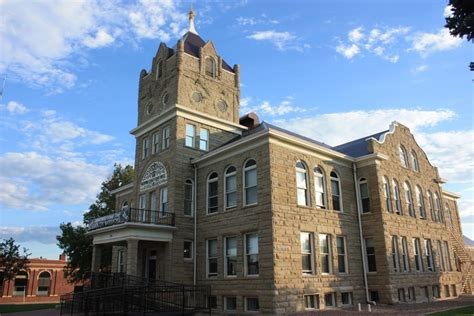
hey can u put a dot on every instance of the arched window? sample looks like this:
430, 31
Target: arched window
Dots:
431, 205
250, 182
20, 284
159, 69
396, 196
403, 156
210, 67
189, 197
386, 192
414, 161
447, 210
125, 205
420, 202
44, 283
364, 195
336, 192
302, 184
437, 205
409, 199
230, 187
320, 187
212, 193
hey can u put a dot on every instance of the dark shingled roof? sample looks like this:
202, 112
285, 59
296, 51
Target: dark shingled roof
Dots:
358, 147
192, 43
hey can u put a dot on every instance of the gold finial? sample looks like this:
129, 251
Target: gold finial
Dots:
192, 29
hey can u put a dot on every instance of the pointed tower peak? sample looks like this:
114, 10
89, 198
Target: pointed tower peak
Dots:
192, 29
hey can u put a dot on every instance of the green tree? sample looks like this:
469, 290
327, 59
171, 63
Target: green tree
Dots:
11, 260
461, 22
73, 240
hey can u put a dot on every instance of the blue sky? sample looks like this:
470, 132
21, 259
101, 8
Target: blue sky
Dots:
330, 70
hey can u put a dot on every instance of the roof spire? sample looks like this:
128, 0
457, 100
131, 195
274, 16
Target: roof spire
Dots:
192, 29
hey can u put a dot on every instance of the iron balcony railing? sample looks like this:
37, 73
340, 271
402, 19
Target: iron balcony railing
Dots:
133, 215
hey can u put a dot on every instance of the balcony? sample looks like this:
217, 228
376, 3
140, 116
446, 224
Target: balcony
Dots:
132, 223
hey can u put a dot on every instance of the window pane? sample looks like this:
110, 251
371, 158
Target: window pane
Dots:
231, 246
301, 179
212, 248
251, 178
251, 195
231, 183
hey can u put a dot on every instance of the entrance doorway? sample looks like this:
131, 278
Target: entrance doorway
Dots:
151, 265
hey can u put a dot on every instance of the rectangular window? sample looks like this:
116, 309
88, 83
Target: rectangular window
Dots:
417, 251
145, 147
325, 253
306, 240
341, 254
121, 261
336, 193
252, 304
386, 191
230, 303
230, 188
250, 184
230, 255
188, 198
188, 249
211, 258
401, 295
190, 135
153, 207
302, 188
204, 139
405, 262
329, 300
374, 296
395, 259
441, 262
370, 251
429, 255
448, 259
164, 201
251, 254
166, 137
320, 190
156, 142
311, 301
212, 195
142, 207
435, 290
364, 196
346, 298
411, 294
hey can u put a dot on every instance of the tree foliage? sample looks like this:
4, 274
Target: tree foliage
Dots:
73, 240
461, 22
11, 260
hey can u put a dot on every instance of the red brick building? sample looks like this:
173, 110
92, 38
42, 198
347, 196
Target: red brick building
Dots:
42, 282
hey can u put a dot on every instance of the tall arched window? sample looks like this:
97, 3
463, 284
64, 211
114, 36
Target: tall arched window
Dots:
125, 205
447, 210
210, 67
364, 195
320, 187
414, 161
159, 69
420, 202
44, 283
409, 199
403, 156
250, 182
21, 283
437, 205
431, 205
386, 192
189, 197
302, 184
230, 187
396, 196
212, 193
336, 192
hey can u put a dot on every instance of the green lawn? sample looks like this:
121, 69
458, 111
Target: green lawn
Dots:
469, 310
24, 307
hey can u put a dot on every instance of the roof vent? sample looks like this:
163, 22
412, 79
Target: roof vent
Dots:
250, 120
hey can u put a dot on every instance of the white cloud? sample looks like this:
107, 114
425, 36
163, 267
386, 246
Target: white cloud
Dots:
427, 43
421, 68
281, 40
263, 19
348, 51
14, 107
42, 234
284, 107
41, 40
356, 35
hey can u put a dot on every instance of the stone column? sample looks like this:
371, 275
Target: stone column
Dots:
132, 257
96, 256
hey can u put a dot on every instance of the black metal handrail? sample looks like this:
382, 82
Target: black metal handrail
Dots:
133, 215
121, 294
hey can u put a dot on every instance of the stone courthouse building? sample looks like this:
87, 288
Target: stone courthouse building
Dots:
273, 221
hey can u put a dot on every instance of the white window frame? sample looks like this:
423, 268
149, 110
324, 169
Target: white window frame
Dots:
417, 255
420, 202
204, 139
307, 252
246, 254
141, 207
210, 181
429, 255
145, 147
190, 140
120, 260
363, 181
208, 258
153, 207
163, 201
226, 257
397, 198
395, 254
320, 187
246, 186
307, 301
349, 295
414, 161
338, 180
437, 204
328, 240
299, 186
226, 307
227, 192
346, 267
405, 258
333, 300
372, 254
403, 156
156, 143
409, 199
431, 205
387, 194
165, 137
191, 250
189, 183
